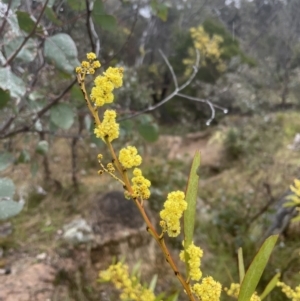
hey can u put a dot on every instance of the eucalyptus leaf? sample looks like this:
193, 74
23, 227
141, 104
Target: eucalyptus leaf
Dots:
9, 208
61, 51
106, 22
25, 21
149, 132
28, 52
4, 98
7, 188
9, 81
62, 115
6, 159
256, 269
51, 15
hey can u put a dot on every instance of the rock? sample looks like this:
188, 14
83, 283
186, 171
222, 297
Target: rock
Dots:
78, 231
30, 283
119, 230
41, 256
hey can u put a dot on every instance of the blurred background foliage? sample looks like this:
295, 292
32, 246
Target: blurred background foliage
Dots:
250, 156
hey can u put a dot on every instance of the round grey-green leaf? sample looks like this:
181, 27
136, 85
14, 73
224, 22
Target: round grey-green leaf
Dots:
11, 82
149, 132
28, 51
7, 188
62, 115
5, 160
107, 22
61, 51
42, 147
9, 208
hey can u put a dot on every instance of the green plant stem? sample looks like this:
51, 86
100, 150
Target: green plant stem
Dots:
150, 228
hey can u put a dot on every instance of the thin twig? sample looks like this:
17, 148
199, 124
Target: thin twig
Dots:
27, 128
88, 24
5, 17
12, 57
176, 90
209, 103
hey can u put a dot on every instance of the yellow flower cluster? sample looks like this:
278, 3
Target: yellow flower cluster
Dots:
234, 291
129, 285
195, 254
209, 48
104, 85
140, 185
89, 66
129, 157
108, 128
172, 212
208, 290
294, 295
296, 190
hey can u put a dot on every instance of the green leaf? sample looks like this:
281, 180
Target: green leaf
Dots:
62, 115
98, 8
9, 208
7, 188
256, 269
77, 5
24, 156
12, 83
149, 132
25, 22
270, 286
153, 282
160, 10
5, 160
191, 199
241, 264
4, 98
61, 51
51, 15
42, 147
28, 51
106, 22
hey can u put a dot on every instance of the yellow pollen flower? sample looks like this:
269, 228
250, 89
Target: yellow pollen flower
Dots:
172, 212
108, 128
91, 71
85, 64
208, 290
96, 64
129, 157
194, 254
140, 185
102, 92
294, 295
129, 285
115, 75
91, 56
78, 70
110, 167
234, 291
